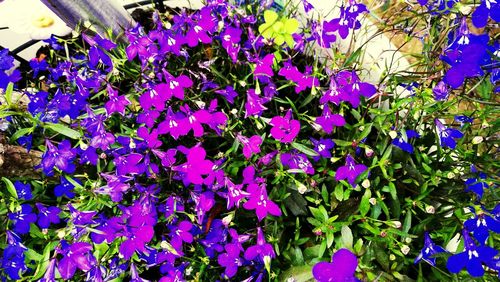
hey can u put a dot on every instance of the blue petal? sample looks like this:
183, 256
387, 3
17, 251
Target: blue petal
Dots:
475, 268
480, 16
457, 262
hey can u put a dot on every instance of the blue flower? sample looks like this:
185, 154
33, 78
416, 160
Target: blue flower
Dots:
488, 8
447, 136
23, 218
65, 188
429, 251
46, 216
471, 258
23, 190
477, 185
13, 257
480, 225
403, 142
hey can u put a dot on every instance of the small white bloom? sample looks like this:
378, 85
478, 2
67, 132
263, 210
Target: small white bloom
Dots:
405, 249
393, 134
430, 209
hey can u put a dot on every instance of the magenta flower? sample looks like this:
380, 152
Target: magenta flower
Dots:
60, 157
350, 171
181, 233
341, 269
302, 80
175, 124
77, 255
116, 103
137, 237
264, 66
260, 250
230, 260
196, 165
297, 161
235, 194
328, 120
230, 41
254, 104
151, 138
250, 145
195, 120
174, 87
284, 129
259, 201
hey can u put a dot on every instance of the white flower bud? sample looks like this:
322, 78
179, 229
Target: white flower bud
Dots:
301, 188
405, 249
393, 134
372, 201
430, 209
396, 224
478, 139
365, 183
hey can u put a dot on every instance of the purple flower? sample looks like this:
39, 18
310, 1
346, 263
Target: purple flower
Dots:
175, 124
471, 258
403, 142
302, 80
81, 217
174, 88
477, 184
23, 218
264, 66
50, 275
235, 194
441, 91
60, 157
230, 41
284, 128
230, 260
203, 204
151, 138
181, 233
350, 171
480, 225
102, 140
75, 256
341, 269
351, 88
254, 104
196, 165
297, 161
323, 147
429, 251
199, 31
65, 188
259, 201
447, 136
262, 250
137, 237
307, 6
38, 65
228, 93
115, 186
250, 145
129, 164
117, 103
328, 120
108, 230
195, 121
6, 61
23, 190
46, 216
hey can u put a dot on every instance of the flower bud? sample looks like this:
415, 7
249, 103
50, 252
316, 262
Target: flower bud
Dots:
396, 224
368, 152
227, 219
365, 183
478, 139
430, 209
372, 201
393, 134
392, 257
405, 249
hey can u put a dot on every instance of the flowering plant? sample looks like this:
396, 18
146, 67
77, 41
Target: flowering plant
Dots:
220, 144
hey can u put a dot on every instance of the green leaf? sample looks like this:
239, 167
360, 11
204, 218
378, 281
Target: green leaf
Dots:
339, 192
21, 132
8, 93
304, 149
364, 206
329, 239
346, 238
10, 187
298, 273
64, 130
291, 25
44, 262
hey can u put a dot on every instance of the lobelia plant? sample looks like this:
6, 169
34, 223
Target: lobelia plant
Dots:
141, 176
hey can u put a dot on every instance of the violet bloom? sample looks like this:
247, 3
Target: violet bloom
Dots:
264, 66
429, 251
471, 258
117, 103
441, 91
47, 215
196, 165
350, 171
23, 218
76, 256
284, 128
447, 136
136, 239
235, 194
50, 275
60, 157
302, 80
181, 233
262, 250
259, 201
230, 41
174, 87
250, 145
228, 93
195, 121
480, 225
323, 147
203, 204
23, 190
254, 104
328, 120
102, 140
341, 269
297, 161
129, 164
199, 31
115, 186
230, 260
151, 138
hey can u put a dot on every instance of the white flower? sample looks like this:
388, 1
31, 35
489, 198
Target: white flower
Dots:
31, 17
